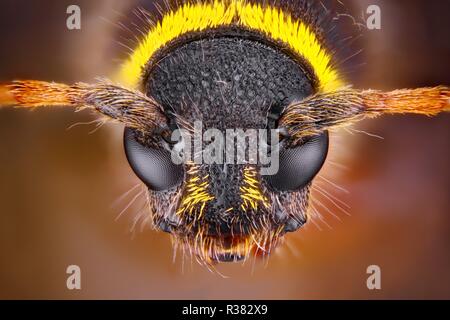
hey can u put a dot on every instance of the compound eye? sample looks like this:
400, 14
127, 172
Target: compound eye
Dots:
300, 164
153, 166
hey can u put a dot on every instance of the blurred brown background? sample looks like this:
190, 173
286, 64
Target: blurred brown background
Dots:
59, 187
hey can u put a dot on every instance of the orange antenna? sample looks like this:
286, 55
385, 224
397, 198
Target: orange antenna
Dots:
343, 107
